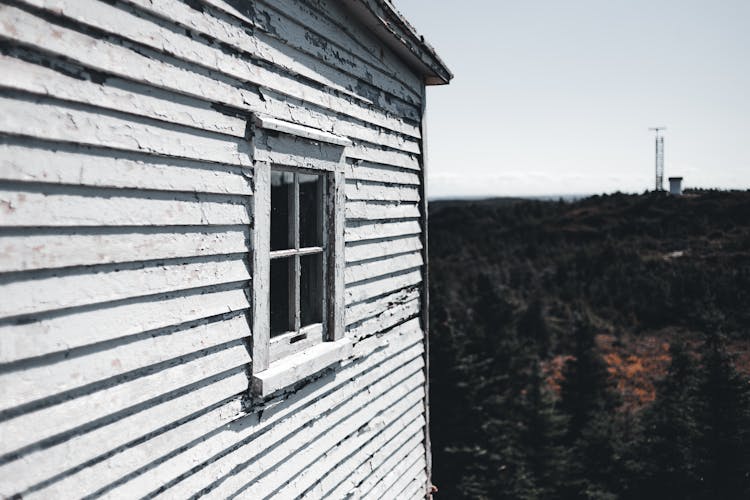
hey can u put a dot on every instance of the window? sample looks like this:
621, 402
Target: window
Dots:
297, 295
298, 254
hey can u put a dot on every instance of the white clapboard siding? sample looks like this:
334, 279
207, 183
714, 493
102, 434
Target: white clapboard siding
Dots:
365, 310
267, 48
388, 157
54, 120
389, 472
82, 328
81, 448
365, 190
416, 464
76, 247
76, 207
278, 22
75, 412
64, 374
101, 55
370, 289
408, 438
366, 171
218, 454
322, 26
388, 318
373, 269
369, 230
124, 24
377, 248
384, 464
271, 471
127, 64
318, 462
149, 103
45, 293
415, 489
340, 461
86, 166
380, 211
381, 442
126, 225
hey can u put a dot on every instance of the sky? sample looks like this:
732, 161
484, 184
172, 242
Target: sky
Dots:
556, 97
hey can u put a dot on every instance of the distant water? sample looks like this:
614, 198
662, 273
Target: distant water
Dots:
551, 197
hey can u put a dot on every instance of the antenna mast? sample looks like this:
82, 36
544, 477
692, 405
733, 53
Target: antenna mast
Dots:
659, 157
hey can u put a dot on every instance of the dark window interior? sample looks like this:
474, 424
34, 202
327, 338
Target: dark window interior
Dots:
297, 256
280, 296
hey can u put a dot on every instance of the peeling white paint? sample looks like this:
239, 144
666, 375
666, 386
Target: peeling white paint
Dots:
127, 175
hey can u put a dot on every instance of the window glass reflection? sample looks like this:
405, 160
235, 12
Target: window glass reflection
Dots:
311, 289
310, 210
279, 295
282, 189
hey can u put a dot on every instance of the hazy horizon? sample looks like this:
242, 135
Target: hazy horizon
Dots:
556, 98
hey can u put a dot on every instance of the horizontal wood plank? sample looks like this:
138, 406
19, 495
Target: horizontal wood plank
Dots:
385, 320
381, 211
368, 290
78, 247
218, 454
60, 163
366, 171
284, 53
368, 309
328, 459
397, 447
49, 119
342, 479
69, 207
271, 471
373, 269
376, 191
50, 292
156, 422
124, 24
324, 29
117, 95
73, 412
376, 248
62, 374
368, 230
59, 333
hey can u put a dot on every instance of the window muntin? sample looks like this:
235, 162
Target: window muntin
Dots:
297, 291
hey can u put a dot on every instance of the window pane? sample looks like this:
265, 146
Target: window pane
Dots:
282, 188
311, 289
310, 208
279, 295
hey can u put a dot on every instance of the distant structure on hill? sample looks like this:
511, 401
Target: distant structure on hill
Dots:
675, 186
213, 249
659, 160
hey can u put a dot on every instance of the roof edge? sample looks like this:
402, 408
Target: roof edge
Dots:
390, 26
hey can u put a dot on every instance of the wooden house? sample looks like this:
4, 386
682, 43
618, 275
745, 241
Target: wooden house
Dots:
213, 249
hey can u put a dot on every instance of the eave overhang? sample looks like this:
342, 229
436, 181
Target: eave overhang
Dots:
382, 18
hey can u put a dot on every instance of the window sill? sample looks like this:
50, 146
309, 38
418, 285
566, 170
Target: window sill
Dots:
297, 367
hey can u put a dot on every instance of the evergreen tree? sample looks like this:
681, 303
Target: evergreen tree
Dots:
533, 327
723, 417
668, 466
589, 401
543, 433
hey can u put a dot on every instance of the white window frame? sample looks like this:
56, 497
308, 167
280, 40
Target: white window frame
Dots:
277, 363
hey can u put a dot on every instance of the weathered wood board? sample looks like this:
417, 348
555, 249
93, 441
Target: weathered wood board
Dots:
133, 194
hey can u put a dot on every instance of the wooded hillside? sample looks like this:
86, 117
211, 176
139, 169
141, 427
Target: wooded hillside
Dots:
595, 349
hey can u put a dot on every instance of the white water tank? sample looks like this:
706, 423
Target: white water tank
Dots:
675, 186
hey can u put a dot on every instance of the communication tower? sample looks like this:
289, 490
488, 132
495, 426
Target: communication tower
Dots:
659, 157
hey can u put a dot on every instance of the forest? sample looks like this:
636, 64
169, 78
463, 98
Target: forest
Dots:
596, 349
